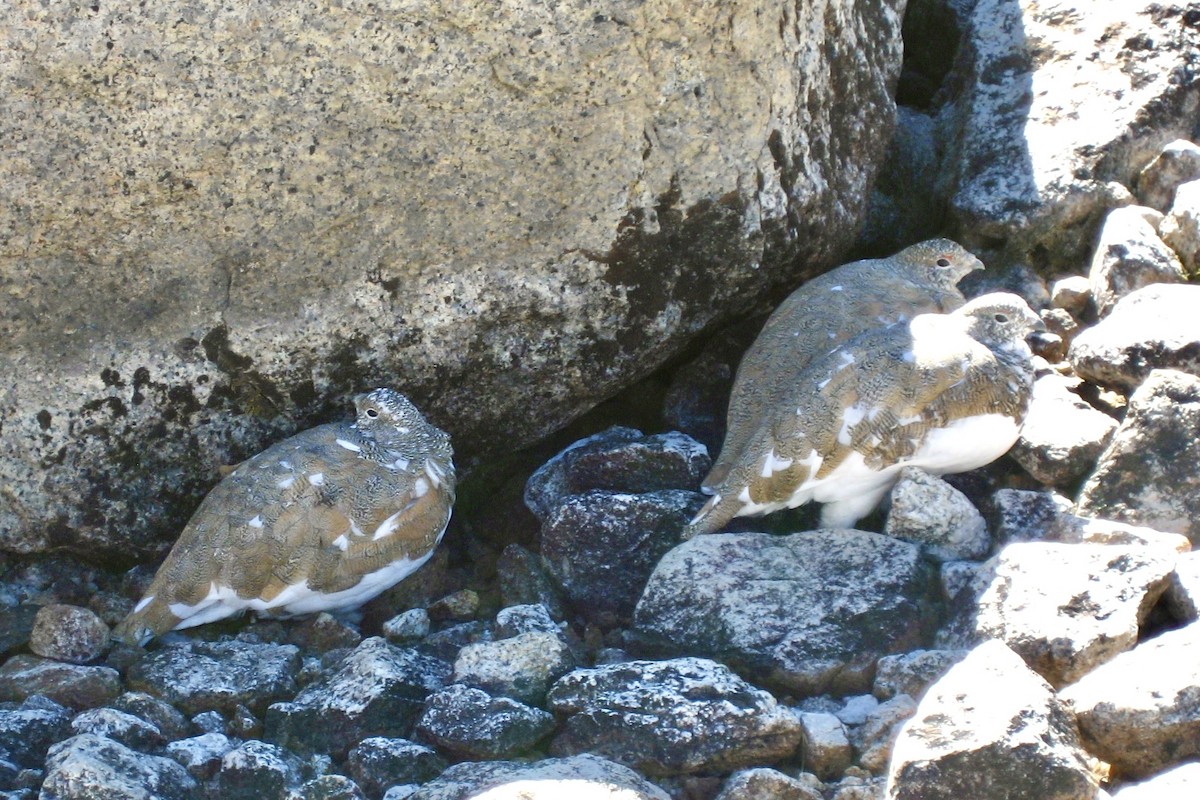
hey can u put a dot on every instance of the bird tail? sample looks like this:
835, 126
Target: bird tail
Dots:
150, 618
715, 514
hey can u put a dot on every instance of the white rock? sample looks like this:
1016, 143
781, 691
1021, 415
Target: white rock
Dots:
1062, 436
825, 745
1181, 228
1179, 783
1072, 294
1130, 255
1179, 162
928, 511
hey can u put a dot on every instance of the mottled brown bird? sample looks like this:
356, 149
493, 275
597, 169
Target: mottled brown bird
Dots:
829, 310
943, 392
322, 521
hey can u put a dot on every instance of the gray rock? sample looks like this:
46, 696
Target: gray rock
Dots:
905, 200
859, 787
1062, 435
1154, 327
824, 744
1177, 163
202, 676
407, 627
90, 767
69, 684
1129, 256
1020, 515
874, 739
1140, 712
323, 632
328, 787
521, 667
640, 174
1183, 593
459, 606
1179, 782
912, 673
378, 691
524, 579
1150, 473
378, 762
400, 792
670, 717
601, 547
27, 730
990, 729
763, 783
1181, 228
1033, 162
590, 778
68, 633
164, 716
524, 618
470, 723
201, 755
258, 771
767, 605
133, 732
210, 722
929, 512
619, 460
1072, 294
1065, 608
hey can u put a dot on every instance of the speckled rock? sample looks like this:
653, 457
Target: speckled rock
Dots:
767, 604
27, 730
1140, 712
990, 729
929, 512
1065, 608
620, 176
377, 691
202, 676
588, 777
68, 633
668, 717
1020, 515
378, 762
1152, 328
1177, 163
1130, 255
1040, 138
69, 684
768, 784
525, 618
470, 723
161, 714
1183, 593
824, 744
524, 579
521, 667
912, 673
328, 787
601, 546
258, 771
1181, 227
873, 740
1179, 782
1062, 435
201, 755
90, 767
1150, 473
1072, 294
407, 627
133, 732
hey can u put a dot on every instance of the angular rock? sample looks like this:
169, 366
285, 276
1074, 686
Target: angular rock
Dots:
1043, 132
1129, 256
769, 605
601, 547
1154, 327
640, 174
68, 633
524, 618
1181, 228
586, 777
1026, 516
1183, 593
69, 684
164, 716
767, 784
201, 755
912, 673
1177, 163
929, 512
258, 771
90, 767
873, 740
28, 730
824, 745
990, 729
470, 723
621, 460
1179, 782
218, 676
459, 606
1140, 712
521, 667
670, 717
524, 579
378, 762
1062, 436
328, 787
407, 627
1071, 294
378, 691
133, 732
1150, 473
1065, 608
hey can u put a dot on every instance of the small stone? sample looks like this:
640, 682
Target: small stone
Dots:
1062, 436
873, 740
1059, 322
589, 777
378, 762
529, 618
328, 787
131, 731
164, 716
1178, 163
459, 606
1071, 294
930, 512
912, 673
201, 755
68, 633
1129, 256
258, 771
855, 710
210, 722
69, 684
762, 783
28, 730
824, 745
406, 627
955, 576
1181, 228
89, 767
470, 723
521, 667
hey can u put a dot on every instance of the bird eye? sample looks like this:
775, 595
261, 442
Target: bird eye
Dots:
943, 262
372, 413
1001, 318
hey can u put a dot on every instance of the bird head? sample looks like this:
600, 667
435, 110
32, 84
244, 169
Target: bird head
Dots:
948, 262
390, 420
1001, 321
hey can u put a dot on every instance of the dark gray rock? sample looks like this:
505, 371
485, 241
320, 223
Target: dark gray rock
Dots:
378, 762
1129, 256
328, 787
668, 717
601, 546
69, 684
1020, 515
470, 723
874, 738
812, 611
16, 626
378, 691
133, 732
540, 780
203, 676
68, 633
524, 579
27, 730
201, 755
210, 722
990, 728
1150, 473
90, 767
445, 644
521, 667
912, 673
1177, 163
258, 771
164, 716
1062, 435
1152, 328
768, 784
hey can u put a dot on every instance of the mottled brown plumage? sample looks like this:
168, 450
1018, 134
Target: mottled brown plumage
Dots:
944, 392
324, 520
832, 309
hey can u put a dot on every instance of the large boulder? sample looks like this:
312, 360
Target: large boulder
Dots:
218, 223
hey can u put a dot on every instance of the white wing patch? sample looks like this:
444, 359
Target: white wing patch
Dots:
388, 526
351, 446
316, 479
257, 522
